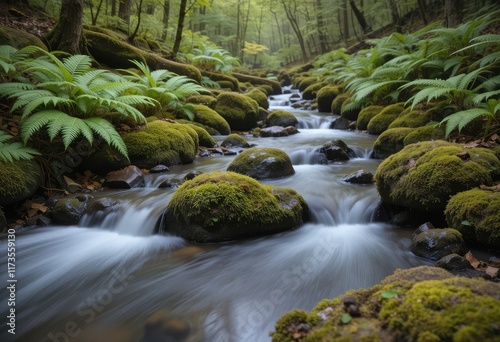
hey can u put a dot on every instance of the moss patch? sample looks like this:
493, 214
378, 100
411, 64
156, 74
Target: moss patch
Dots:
19, 180
389, 142
221, 206
241, 112
413, 119
19, 39
424, 175
262, 163
281, 118
424, 133
210, 118
365, 115
325, 97
259, 96
383, 120
204, 138
257, 81
234, 140
418, 304
337, 103
311, 91
476, 214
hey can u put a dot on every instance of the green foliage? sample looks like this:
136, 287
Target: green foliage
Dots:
211, 58
10, 151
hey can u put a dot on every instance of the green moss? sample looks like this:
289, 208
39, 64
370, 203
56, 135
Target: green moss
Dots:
349, 113
207, 100
337, 103
424, 133
311, 91
262, 163
325, 97
19, 180
475, 213
383, 120
18, 38
281, 118
204, 138
217, 76
234, 140
365, 115
259, 96
389, 142
155, 62
430, 304
424, 175
266, 89
413, 118
241, 112
210, 118
105, 160
306, 82
162, 142
258, 81
496, 150
219, 206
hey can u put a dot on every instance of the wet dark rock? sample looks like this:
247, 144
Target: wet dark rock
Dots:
336, 150
358, 177
126, 178
278, 131
216, 150
100, 204
422, 228
159, 169
104, 161
160, 326
230, 153
435, 244
454, 262
262, 163
68, 211
170, 183
191, 175
340, 123
203, 152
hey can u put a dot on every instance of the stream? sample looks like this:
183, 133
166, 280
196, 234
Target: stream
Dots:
107, 275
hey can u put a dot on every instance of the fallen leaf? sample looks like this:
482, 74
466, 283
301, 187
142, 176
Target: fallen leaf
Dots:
39, 206
491, 271
31, 212
472, 260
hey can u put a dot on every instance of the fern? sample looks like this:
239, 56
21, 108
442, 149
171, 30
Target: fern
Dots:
10, 152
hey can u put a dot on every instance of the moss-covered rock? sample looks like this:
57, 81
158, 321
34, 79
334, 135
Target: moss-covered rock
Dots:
325, 97
418, 304
217, 76
105, 160
259, 96
434, 244
414, 118
336, 150
349, 111
222, 206
337, 103
68, 211
262, 163
18, 38
257, 81
383, 120
266, 89
424, 133
389, 142
234, 140
424, 175
281, 118
210, 118
19, 180
476, 214
306, 82
365, 115
207, 100
496, 150
204, 138
241, 112
162, 142
311, 91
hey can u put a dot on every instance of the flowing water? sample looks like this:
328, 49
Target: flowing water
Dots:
107, 275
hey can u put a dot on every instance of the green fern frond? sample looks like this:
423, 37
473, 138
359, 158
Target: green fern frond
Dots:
207, 82
364, 91
72, 128
478, 98
11, 88
461, 119
16, 151
34, 123
105, 130
437, 83
77, 64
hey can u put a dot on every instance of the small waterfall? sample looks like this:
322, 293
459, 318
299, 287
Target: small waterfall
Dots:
315, 122
307, 156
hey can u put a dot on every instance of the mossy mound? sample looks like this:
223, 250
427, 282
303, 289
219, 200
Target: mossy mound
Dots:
424, 133
234, 140
348, 111
241, 112
266, 89
389, 142
281, 118
311, 91
257, 81
221, 206
162, 142
325, 97
207, 100
418, 304
424, 175
217, 76
496, 150
476, 214
19, 180
210, 118
18, 38
262, 163
105, 160
306, 82
383, 120
365, 115
414, 118
259, 96
204, 138
337, 103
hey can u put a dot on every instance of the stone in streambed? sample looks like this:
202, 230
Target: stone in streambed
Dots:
126, 178
262, 163
358, 177
435, 244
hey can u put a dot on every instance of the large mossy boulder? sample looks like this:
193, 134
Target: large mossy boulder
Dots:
424, 175
311, 91
241, 112
204, 138
338, 102
210, 118
281, 118
19, 180
434, 244
417, 304
383, 120
413, 118
306, 82
217, 77
476, 214
389, 142
18, 38
424, 133
262, 163
365, 115
222, 206
259, 96
234, 140
162, 142
68, 211
325, 97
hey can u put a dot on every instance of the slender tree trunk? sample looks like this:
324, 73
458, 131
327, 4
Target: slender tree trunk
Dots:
292, 18
139, 12
422, 7
180, 27
453, 10
244, 32
124, 10
94, 17
166, 17
360, 17
396, 19
323, 45
113, 8
346, 21
67, 34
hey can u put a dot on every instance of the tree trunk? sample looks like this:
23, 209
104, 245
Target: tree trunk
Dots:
422, 8
139, 12
124, 10
244, 32
360, 17
180, 27
323, 45
166, 17
94, 17
67, 34
346, 21
453, 11
291, 15
396, 20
